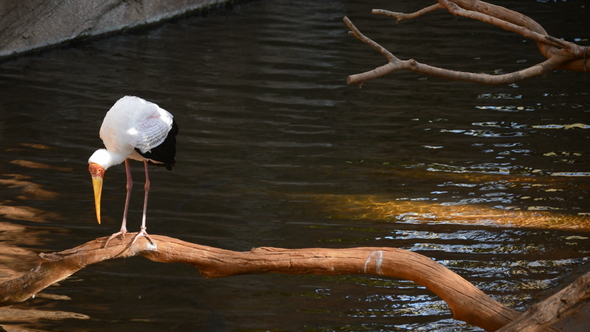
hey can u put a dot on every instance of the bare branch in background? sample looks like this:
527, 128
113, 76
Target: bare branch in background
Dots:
560, 54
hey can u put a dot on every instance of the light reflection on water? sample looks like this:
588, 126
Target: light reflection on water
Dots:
275, 150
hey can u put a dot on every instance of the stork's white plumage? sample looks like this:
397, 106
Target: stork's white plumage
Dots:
133, 129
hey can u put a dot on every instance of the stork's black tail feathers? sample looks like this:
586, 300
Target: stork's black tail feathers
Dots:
164, 154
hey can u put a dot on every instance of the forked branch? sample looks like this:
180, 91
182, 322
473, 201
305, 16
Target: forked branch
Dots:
560, 54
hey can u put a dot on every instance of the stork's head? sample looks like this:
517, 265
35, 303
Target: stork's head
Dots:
97, 174
98, 163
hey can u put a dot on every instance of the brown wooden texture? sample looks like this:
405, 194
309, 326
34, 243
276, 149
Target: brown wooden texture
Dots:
557, 307
466, 301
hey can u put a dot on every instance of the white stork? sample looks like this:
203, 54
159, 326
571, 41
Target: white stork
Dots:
133, 129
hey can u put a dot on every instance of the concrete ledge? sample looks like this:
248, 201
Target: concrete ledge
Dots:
27, 25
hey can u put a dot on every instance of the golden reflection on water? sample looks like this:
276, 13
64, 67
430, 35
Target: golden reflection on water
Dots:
15, 317
474, 196
27, 190
15, 256
20, 187
37, 165
17, 191
26, 213
36, 146
381, 207
15, 259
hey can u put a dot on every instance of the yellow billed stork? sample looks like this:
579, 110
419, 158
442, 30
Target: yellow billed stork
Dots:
133, 129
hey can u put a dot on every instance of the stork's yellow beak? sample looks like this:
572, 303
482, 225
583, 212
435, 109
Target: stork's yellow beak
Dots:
97, 174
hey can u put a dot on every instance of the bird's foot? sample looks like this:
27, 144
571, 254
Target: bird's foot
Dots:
142, 232
122, 233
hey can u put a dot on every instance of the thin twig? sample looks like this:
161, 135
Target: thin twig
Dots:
403, 16
390, 57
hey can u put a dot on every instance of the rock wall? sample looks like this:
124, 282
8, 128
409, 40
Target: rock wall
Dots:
26, 25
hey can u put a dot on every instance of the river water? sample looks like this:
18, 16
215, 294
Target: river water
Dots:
276, 150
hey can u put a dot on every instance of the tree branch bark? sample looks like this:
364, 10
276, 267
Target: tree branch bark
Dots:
560, 54
557, 307
466, 302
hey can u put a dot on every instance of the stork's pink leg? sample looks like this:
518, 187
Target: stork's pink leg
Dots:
143, 231
129, 186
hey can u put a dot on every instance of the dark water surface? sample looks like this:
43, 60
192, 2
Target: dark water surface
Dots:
276, 150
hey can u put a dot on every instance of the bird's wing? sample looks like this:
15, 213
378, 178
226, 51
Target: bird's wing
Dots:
152, 131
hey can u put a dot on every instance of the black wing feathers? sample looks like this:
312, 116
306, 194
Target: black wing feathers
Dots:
164, 154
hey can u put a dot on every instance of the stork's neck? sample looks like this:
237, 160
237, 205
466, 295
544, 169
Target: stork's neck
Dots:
106, 158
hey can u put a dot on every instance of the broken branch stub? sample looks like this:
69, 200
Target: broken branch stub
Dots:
561, 305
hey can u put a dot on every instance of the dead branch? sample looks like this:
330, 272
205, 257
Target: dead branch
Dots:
557, 307
403, 16
560, 54
466, 302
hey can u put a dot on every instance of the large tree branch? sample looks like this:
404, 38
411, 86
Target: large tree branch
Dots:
560, 54
466, 302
